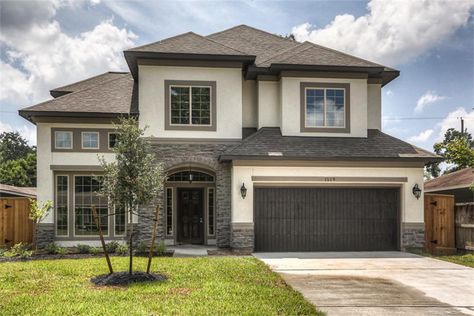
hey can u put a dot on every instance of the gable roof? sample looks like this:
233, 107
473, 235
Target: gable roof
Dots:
9, 190
458, 179
268, 143
86, 83
111, 98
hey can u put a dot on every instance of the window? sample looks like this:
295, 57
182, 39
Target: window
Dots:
86, 194
190, 176
112, 140
63, 140
211, 211
169, 211
190, 105
325, 107
61, 205
90, 140
120, 222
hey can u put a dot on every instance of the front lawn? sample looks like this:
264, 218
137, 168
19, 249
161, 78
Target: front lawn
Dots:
195, 286
463, 258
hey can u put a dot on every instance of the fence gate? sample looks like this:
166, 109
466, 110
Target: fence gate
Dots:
439, 222
15, 225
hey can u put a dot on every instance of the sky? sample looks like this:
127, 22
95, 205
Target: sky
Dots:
49, 43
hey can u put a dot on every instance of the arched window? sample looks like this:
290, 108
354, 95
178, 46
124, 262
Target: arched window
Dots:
190, 176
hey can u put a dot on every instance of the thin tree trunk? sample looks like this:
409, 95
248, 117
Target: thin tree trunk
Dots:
97, 222
130, 266
153, 236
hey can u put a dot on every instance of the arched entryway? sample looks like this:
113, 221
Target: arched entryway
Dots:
190, 205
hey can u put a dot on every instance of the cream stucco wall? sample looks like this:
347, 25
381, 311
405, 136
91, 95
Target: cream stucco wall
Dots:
242, 209
228, 99
290, 106
269, 104
374, 106
46, 158
249, 103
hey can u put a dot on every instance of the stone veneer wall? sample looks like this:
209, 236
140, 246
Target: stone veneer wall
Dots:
205, 155
243, 236
413, 235
45, 234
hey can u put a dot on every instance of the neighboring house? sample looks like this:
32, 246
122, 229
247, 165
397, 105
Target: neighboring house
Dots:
268, 144
13, 191
456, 183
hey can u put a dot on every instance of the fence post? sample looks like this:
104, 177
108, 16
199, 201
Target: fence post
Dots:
97, 222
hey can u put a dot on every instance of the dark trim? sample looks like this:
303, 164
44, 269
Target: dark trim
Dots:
52, 116
78, 168
77, 139
188, 140
189, 63
329, 179
191, 83
347, 107
322, 163
268, 78
374, 80
424, 160
319, 74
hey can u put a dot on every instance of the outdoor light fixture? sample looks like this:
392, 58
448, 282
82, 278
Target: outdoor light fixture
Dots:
243, 191
190, 176
416, 191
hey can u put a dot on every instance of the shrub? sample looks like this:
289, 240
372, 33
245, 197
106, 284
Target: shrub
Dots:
2, 251
142, 247
121, 250
112, 246
160, 248
94, 251
84, 248
51, 248
61, 251
21, 250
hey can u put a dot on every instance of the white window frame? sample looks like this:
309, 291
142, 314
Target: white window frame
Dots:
324, 107
56, 139
56, 204
191, 105
108, 139
82, 140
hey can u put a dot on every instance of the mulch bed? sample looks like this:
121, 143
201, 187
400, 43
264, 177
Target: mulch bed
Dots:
125, 278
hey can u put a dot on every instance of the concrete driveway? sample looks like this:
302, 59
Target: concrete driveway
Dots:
377, 283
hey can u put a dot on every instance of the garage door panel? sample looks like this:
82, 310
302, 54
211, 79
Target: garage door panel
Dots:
326, 219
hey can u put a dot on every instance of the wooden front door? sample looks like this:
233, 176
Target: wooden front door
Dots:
439, 221
190, 216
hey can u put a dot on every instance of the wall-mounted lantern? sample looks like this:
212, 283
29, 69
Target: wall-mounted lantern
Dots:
243, 191
416, 191
190, 176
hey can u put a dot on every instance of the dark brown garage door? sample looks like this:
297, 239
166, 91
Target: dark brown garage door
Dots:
326, 219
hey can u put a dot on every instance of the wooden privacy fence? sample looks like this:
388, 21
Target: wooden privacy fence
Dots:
439, 223
465, 226
15, 225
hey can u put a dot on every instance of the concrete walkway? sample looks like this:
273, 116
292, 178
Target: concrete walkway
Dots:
377, 283
191, 250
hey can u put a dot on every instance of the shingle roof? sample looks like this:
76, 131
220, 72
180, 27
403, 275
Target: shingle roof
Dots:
268, 143
87, 83
116, 96
19, 191
459, 179
188, 43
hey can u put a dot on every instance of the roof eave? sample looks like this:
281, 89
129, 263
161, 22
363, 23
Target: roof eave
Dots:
31, 115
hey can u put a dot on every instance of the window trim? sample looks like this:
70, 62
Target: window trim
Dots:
190, 84
56, 205
56, 137
82, 140
108, 140
325, 85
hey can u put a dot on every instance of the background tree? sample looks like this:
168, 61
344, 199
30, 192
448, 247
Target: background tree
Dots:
457, 149
135, 177
17, 160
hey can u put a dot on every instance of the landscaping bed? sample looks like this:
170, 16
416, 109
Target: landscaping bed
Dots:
462, 257
194, 286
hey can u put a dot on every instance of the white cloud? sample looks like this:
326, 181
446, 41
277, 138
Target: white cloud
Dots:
41, 56
29, 133
422, 137
452, 120
393, 32
427, 98
389, 92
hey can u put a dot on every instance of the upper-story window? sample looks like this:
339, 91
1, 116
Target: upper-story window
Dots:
325, 107
112, 140
90, 140
190, 105
63, 139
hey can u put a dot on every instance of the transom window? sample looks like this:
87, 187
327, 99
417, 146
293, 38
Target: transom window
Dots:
190, 176
63, 140
325, 107
190, 105
90, 140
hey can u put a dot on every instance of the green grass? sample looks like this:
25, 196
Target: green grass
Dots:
195, 286
462, 258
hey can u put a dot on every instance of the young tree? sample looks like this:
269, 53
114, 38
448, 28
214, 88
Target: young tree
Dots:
457, 149
135, 177
37, 214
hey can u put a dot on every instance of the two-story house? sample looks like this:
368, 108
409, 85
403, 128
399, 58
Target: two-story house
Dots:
267, 143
